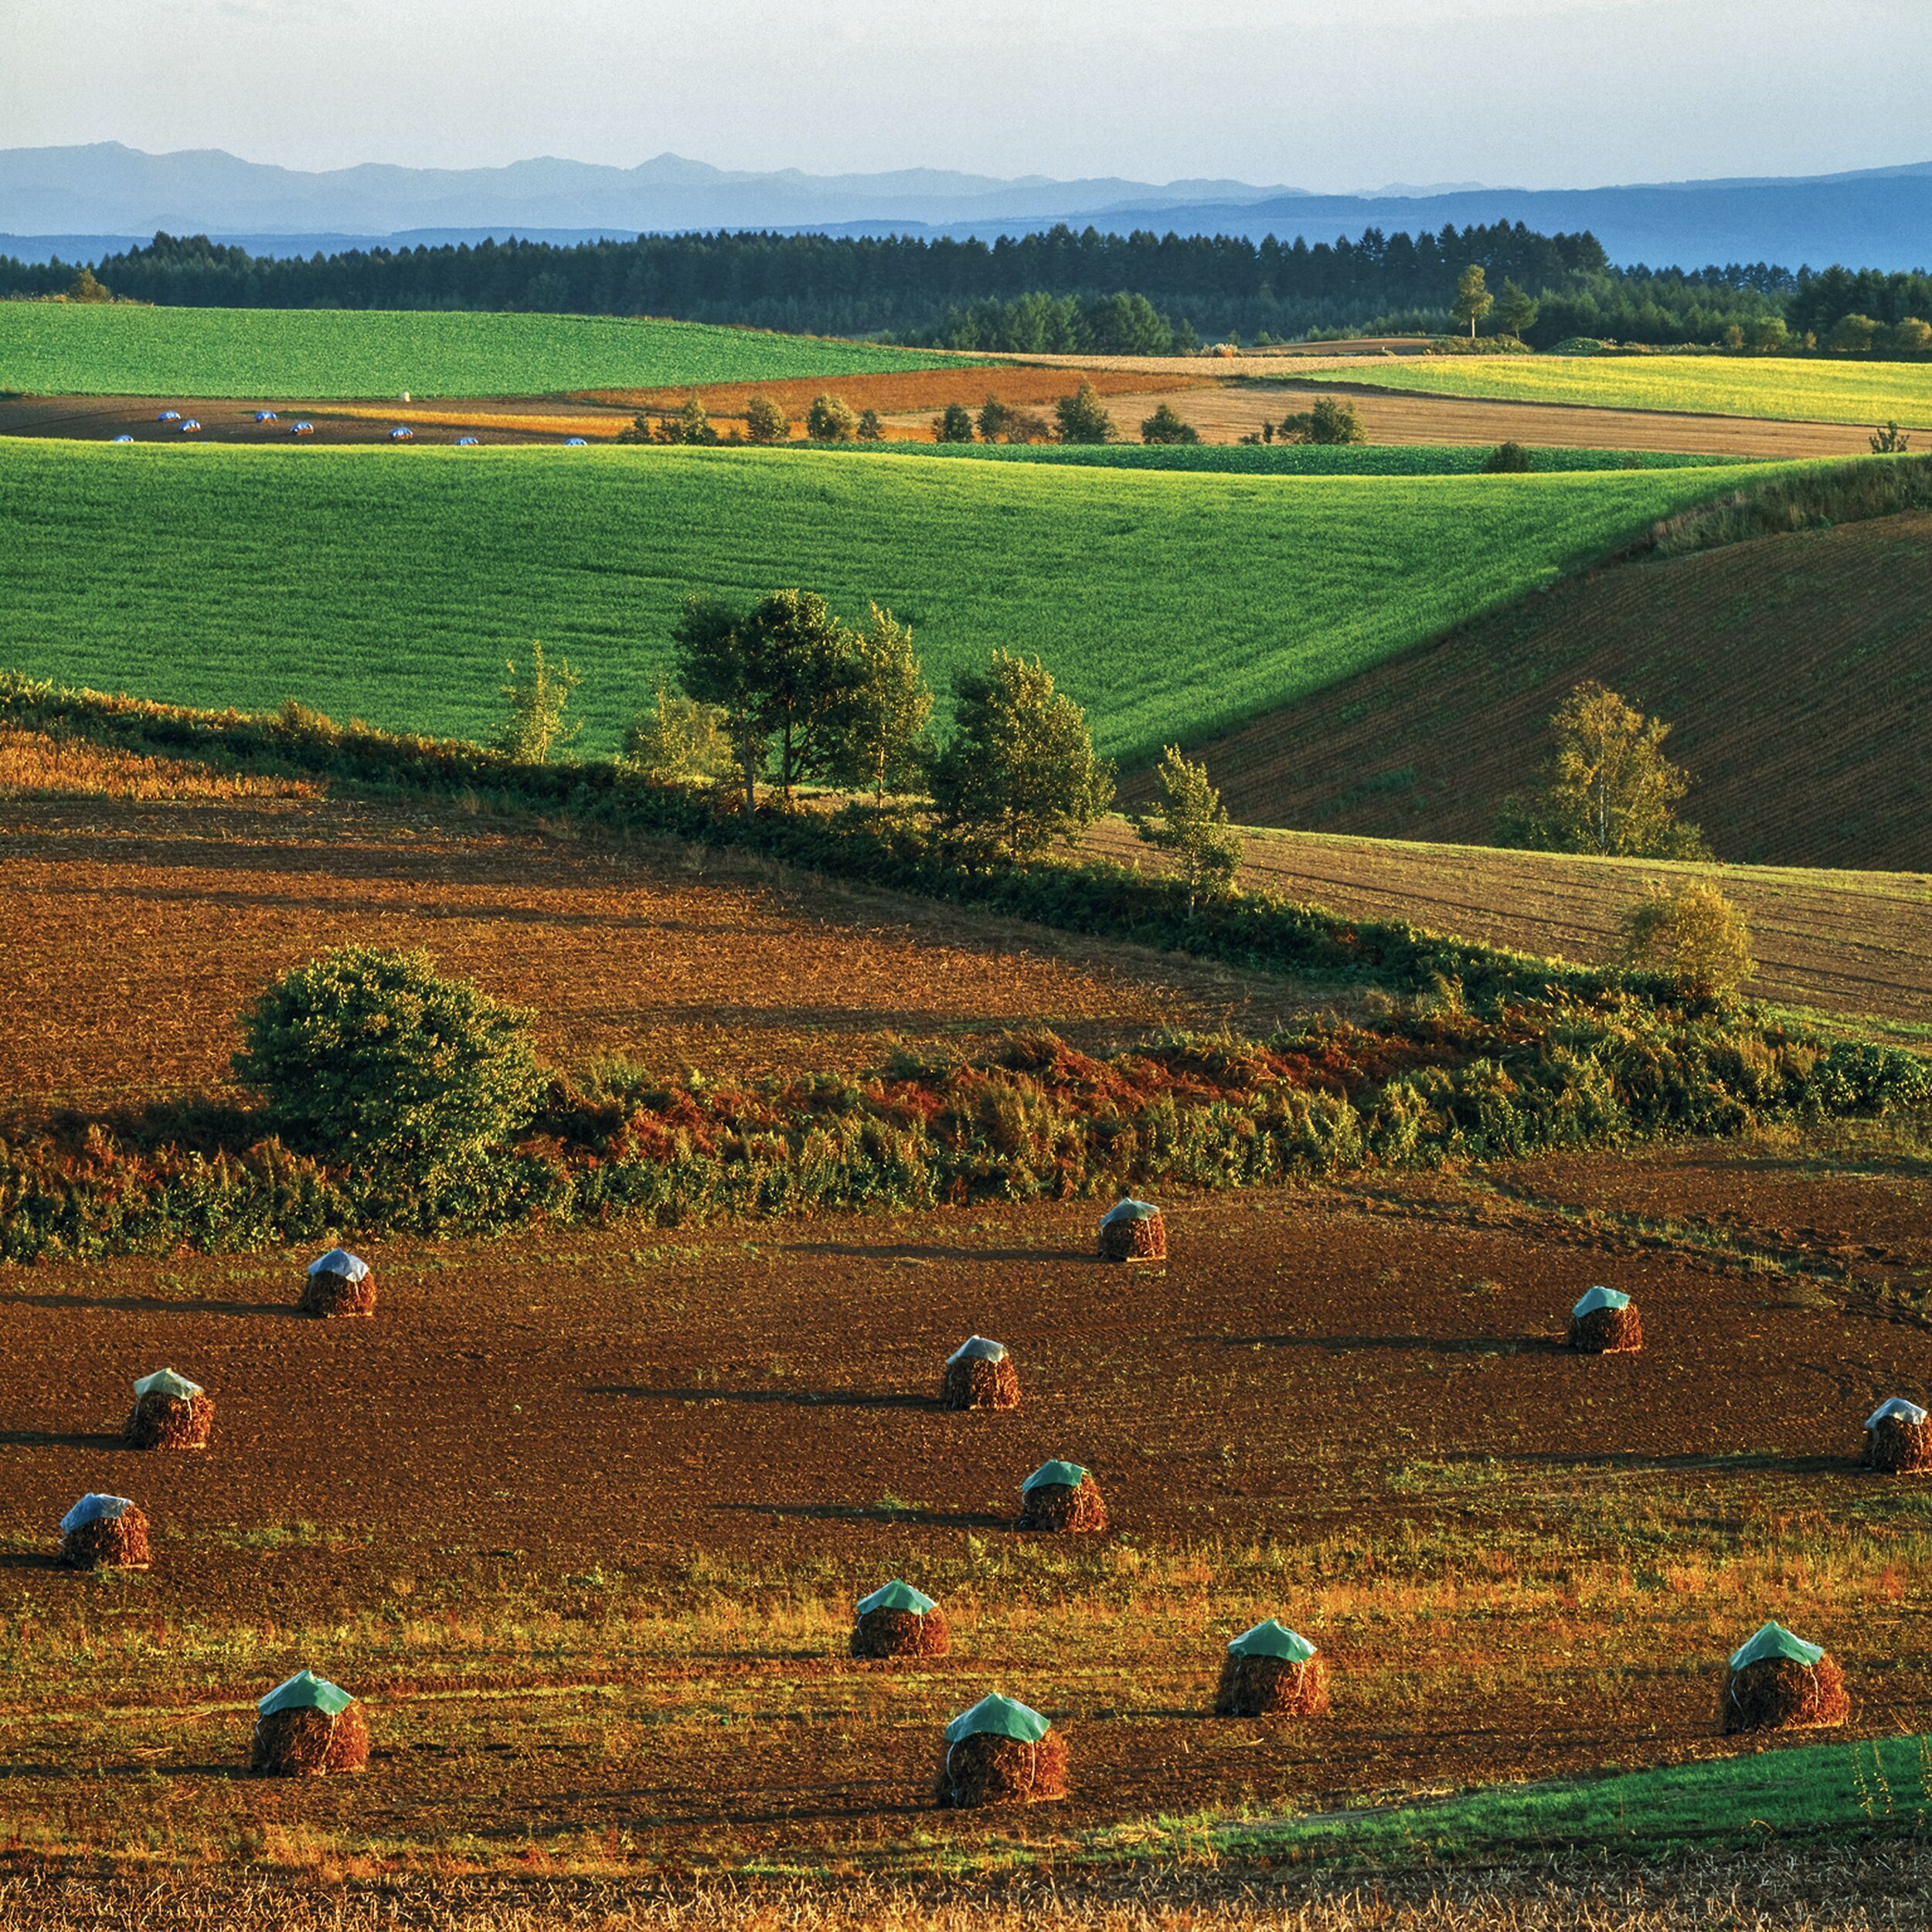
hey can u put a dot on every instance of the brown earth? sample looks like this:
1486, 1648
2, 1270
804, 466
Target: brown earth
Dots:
131, 933
1795, 672
582, 1522
1843, 943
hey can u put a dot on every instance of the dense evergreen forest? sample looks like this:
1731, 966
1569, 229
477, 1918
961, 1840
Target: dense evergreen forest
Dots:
1141, 293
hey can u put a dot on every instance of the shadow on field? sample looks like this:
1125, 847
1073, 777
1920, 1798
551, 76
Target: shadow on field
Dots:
916, 1251
1635, 1462
30, 1559
52, 1439
1413, 1344
870, 1512
793, 1398
151, 1304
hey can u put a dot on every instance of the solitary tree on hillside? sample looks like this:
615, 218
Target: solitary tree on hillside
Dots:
1168, 425
1473, 299
534, 727
881, 727
1189, 822
1516, 309
1608, 789
1083, 417
1019, 771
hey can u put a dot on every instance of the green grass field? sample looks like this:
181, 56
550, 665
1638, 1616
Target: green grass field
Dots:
1773, 386
390, 585
1294, 459
58, 349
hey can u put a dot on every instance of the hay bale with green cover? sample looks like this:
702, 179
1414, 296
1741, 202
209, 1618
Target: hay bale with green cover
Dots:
1605, 1322
104, 1532
1898, 1439
170, 1412
338, 1283
898, 1621
308, 1727
1062, 1499
1001, 1752
1779, 1682
1271, 1671
1133, 1231
980, 1374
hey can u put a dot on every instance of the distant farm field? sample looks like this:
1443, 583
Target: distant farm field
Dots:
1296, 459
1801, 390
72, 349
390, 584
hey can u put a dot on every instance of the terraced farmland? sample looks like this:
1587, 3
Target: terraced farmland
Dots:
391, 584
1802, 389
76, 349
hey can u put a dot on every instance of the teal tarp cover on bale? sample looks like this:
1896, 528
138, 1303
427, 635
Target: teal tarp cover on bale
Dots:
1129, 1211
998, 1716
94, 1508
164, 1381
339, 1261
1906, 1411
1775, 1640
1269, 1638
1600, 1298
1069, 1473
897, 1596
977, 1347
306, 1692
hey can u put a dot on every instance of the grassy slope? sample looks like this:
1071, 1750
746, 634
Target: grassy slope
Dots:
1796, 671
390, 583
1295, 459
1774, 387
60, 348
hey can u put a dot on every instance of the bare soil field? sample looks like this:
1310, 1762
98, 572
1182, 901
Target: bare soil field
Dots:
583, 1521
1850, 943
131, 932
1795, 671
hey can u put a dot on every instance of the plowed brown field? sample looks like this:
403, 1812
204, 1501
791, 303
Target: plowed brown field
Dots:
130, 934
1796, 672
583, 1522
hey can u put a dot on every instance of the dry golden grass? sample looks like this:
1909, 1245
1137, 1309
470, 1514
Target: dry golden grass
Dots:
33, 765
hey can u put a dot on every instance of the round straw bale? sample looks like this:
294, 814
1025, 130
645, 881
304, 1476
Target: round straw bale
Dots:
171, 1422
901, 1633
1896, 1446
327, 1292
1780, 1694
1607, 1332
1063, 1508
108, 1543
987, 1769
973, 1382
308, 1743
1143, 1239
1272, 1687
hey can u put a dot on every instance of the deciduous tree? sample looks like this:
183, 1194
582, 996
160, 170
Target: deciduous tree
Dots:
1516, 309
953, 425
882, 725
765, 422
1695, 934
1083, 417
1167, 425
535, 727
1473, 299
678, 741
830, 419
1189, 824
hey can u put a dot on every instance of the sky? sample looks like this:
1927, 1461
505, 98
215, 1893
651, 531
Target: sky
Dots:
1335, 95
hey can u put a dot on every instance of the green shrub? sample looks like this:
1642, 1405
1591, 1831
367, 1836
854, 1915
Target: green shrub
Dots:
830, 420
1507, 459
1694, 934
372, 1058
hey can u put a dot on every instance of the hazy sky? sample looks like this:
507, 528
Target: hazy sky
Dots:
1331, 94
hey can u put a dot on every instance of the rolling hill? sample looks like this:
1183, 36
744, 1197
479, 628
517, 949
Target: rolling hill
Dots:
1796, 671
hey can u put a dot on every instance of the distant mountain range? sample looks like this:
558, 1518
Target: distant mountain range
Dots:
82, 201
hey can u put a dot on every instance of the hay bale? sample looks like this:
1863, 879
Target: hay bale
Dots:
310, 1743
1270, 1672
338, 1283
1778, 1681
170, 1412
1061, 1499
104, 1532
1898, 1440
979, 1375
1605, 1322
307, 1726
901, 1633
1000, 1752
1133, 1231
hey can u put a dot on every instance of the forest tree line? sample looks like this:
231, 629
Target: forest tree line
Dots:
1082, 293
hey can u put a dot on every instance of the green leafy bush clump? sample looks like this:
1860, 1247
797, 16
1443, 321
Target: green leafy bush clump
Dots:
371, 1059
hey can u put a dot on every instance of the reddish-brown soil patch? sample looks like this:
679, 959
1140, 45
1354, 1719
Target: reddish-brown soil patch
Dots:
1367, 1382
134, 933
1796, 672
